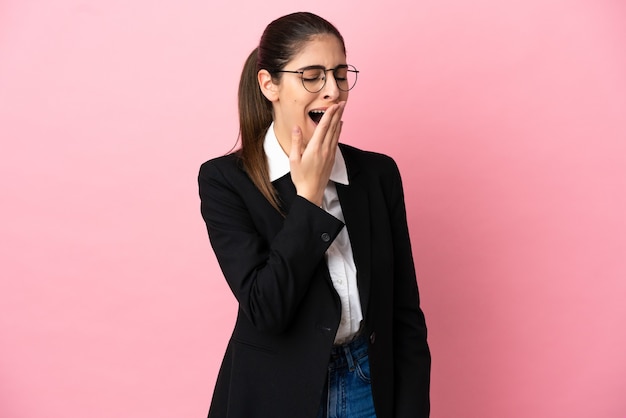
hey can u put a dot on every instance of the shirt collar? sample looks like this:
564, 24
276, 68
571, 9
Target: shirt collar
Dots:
278, 161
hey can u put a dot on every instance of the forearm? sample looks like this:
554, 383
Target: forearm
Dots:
268, 272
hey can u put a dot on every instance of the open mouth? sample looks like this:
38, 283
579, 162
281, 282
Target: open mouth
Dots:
316, 115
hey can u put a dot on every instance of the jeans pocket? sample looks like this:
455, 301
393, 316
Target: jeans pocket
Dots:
363, 369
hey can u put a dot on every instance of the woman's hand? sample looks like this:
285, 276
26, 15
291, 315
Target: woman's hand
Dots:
311, 164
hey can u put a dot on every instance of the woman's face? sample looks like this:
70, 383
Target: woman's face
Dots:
294, 105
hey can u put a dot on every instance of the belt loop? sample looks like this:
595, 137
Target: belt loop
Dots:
349, 358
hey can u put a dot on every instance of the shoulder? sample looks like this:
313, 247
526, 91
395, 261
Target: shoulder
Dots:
369, 161
225, 172
224, 163
227, 168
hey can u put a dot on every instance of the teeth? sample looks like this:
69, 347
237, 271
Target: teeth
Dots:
316, 115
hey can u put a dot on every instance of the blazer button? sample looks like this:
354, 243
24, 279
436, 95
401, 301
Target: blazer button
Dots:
373, 337
325, 237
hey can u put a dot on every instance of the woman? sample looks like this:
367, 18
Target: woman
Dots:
312, 238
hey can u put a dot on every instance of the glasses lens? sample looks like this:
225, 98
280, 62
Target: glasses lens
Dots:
345, 76
313, 79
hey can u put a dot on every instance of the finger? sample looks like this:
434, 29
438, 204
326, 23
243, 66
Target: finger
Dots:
325, 123
336, 116
295, 154
337, 134
319, 138
334, 130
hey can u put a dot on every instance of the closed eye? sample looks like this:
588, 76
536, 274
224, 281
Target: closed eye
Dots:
311, 78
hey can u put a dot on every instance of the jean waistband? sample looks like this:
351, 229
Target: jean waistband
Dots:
346, 354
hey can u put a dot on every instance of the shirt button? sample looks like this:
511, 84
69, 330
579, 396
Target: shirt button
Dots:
325, 237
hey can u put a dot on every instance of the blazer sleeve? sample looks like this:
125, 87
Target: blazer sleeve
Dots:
269, 275
412, 359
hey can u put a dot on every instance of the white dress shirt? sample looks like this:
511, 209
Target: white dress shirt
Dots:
339, 255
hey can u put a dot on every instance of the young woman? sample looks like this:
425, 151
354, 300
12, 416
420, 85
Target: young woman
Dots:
312, 238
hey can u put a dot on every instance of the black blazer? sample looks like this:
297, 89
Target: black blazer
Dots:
276, 360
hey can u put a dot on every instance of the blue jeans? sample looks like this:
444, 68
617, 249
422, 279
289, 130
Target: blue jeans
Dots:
348, 392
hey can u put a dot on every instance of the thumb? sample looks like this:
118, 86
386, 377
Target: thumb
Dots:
296, 144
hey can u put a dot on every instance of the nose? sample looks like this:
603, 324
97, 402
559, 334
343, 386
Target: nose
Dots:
331, 90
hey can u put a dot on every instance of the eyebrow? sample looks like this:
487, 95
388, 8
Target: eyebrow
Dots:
321, 67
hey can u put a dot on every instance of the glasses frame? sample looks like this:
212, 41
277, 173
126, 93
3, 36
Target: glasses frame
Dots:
348, 67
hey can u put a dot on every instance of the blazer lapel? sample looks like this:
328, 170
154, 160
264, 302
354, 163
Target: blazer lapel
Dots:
355, 207
286, 191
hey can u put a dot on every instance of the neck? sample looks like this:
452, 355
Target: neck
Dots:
284, 138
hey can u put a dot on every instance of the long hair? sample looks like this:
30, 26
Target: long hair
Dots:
281, 41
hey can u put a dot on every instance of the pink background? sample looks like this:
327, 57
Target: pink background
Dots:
507, 120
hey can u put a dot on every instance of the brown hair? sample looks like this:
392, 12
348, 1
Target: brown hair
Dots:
280, 42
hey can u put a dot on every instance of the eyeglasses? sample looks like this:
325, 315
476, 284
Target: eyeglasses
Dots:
314, 77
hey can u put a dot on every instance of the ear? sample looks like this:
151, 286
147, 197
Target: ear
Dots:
268, 88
